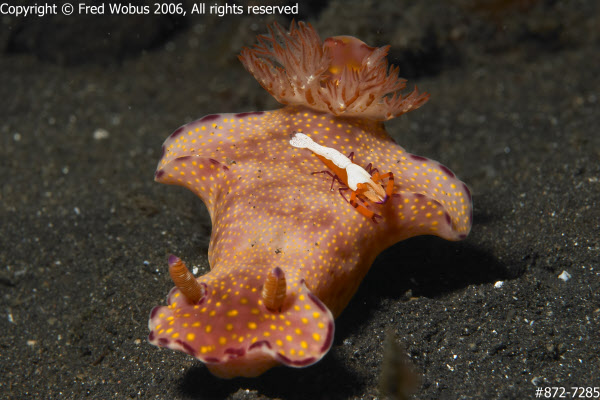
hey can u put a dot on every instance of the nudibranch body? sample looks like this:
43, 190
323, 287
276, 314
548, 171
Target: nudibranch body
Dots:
286, 252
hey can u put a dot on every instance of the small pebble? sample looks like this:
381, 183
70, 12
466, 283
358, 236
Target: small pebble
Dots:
565, 276
100, 134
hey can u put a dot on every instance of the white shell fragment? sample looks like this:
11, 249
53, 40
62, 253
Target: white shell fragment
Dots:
565, 276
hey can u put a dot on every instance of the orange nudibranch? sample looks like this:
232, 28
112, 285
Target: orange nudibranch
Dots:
287, 253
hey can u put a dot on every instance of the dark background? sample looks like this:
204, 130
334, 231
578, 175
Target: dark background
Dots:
86, 102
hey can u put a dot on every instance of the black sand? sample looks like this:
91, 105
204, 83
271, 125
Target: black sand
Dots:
85, 232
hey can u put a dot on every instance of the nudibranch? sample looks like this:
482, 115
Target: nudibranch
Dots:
286, 252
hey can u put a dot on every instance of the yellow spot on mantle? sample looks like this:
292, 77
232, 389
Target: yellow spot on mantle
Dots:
232, 313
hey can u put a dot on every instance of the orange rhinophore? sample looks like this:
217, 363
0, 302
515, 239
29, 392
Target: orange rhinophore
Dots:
273, 292
185, 280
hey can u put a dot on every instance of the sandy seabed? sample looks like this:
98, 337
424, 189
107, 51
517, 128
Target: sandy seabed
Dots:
87, 102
